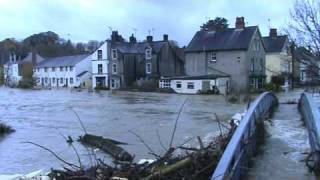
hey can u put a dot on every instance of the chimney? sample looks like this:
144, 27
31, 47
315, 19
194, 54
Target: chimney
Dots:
273, 32
34, 57
149, 39
132, 39
240, 23
114, 36
165, 37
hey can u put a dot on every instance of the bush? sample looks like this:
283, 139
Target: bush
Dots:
101, 88
166, 90
26, 83
273, 87
278, 80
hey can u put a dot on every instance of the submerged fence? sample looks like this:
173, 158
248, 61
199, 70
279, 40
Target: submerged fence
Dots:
310, 115
244, 141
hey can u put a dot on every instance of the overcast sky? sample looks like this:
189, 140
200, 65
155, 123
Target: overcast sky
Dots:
87, 20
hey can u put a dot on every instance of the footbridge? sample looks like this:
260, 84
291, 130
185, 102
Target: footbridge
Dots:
239, 155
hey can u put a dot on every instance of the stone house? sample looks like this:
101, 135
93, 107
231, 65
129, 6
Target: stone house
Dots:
140, 62
238, 52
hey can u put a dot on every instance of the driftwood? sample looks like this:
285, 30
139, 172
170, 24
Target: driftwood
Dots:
110, 146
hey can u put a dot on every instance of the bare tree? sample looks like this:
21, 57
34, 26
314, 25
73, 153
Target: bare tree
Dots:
304, 29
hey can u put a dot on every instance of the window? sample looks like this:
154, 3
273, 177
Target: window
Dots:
66, 68
256, 45
71, 80
190, 85
46, 80
164, 83
71, 68
114, 54
53, 69
45, 69
261, 65
148, 68
114, 68
61, 68
148, 53
252, 65
100, 69
99, 54
38, 69
213, 57
113, 83
53, 80
61, 80
178, 85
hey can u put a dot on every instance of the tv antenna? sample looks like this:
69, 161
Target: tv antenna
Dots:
269, 23
135, 31
110, 29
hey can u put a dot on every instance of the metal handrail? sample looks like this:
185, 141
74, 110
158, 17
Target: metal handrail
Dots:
311, 116
232, 158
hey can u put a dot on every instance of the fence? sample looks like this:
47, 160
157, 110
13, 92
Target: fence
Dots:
310, 114
244, 141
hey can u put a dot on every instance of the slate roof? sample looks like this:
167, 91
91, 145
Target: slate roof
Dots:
62, 61
274, 44
137, 48
28, 59
82, 73
214, 74
228, 39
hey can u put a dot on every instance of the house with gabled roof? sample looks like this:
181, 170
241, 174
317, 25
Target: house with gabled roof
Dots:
238, 52
139, 62
64, 71
15, 70
278, 56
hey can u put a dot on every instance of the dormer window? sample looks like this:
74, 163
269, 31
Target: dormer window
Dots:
148, 53
99, 54
114, 54
213, 57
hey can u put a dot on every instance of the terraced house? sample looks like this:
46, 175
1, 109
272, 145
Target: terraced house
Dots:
238, 52
142, 62
64, 71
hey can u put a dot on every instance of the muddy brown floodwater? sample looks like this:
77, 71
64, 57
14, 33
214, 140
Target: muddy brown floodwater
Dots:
39, 116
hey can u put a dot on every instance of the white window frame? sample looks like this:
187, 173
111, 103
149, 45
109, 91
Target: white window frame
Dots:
252, 65
61, 68
213, 57
114, 54
113, 83
148, 53
165, 83
190, 84
148, 68
101, 68
53, 69
114, 68
71, 68
71, 80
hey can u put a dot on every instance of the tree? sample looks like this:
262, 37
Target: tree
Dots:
218, 24
304, 29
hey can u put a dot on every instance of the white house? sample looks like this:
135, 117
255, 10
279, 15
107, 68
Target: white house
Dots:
215, 84
13, 69
65, 71
100, 67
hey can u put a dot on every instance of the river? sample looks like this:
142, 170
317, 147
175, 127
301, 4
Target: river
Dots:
41, 115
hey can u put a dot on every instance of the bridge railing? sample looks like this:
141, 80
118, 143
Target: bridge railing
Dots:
243, 142
311, 116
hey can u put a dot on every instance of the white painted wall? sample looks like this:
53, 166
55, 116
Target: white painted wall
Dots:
11, 73
104, 62
184, 89
66, 74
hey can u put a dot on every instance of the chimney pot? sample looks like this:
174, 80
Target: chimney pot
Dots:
240, 24
133, 39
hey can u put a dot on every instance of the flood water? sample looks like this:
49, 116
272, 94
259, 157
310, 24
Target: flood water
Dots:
286, 146
40, 117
